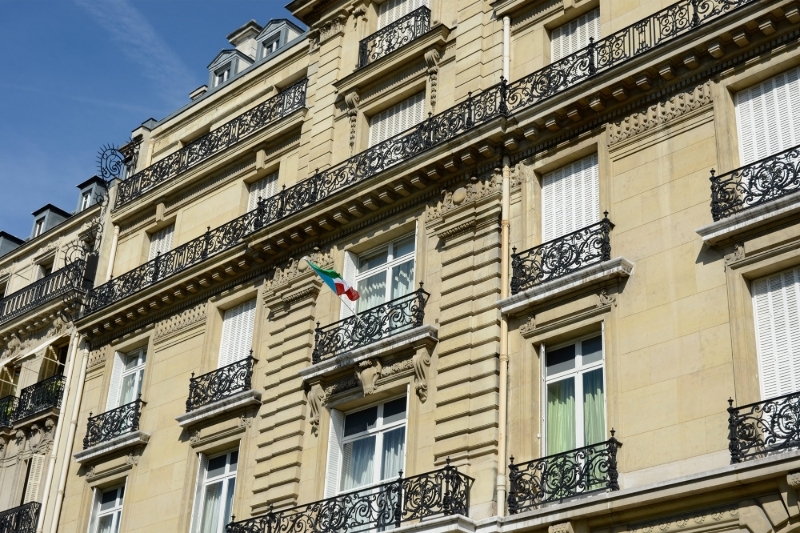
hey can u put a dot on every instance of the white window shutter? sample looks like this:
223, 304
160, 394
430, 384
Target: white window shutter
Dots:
238, 324
161, 242
574, 35
570, 198
334, 453
116, 381
349, 274
197, 508
96, 496
397, 119
34, 478
263, 188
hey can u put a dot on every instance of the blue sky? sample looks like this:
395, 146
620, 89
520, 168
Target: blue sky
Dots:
77, 74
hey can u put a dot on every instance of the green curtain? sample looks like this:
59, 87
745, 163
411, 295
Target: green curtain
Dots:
594, 419
561, 416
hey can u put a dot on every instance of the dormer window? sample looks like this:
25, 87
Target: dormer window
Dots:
86, 200
270, 46
39, 227
222, 75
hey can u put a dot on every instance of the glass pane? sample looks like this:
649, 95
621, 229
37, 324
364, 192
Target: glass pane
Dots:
592, 350
402, 279
394, 445
131, 361
373, 260
128, 393
108, 500
211, 503
234, 461
360, 421
404, 247
594, 418
104, 524
561, 416
372, 291
229, 501
394, 410
561, 360
357, 463
216, 466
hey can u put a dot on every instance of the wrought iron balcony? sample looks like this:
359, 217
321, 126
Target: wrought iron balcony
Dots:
39, 397
441, 492
370, 326
282, 104
563, 476
59, 283
8, 406
111, 424
762, 428
561, 256
220, 383
390, 38
500, 100
755, 184
20, 519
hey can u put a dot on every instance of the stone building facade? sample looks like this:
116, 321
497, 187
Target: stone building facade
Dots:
573, 226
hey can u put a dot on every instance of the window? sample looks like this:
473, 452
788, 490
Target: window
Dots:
106, 510
574, 35
768, 116
263, 188
86, 199
33, 479
385, 273
221, 76
213, 503
161, 242
44, 269
397, 119
367, 446
570, 198
777, 323
575, 371
126, 378
269, 47
38, 227
391, 10
237, 333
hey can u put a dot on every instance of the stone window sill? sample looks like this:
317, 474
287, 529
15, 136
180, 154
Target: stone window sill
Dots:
726, 230
221, 407
104, 449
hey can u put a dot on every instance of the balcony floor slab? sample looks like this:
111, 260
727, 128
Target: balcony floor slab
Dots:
220, 407
726, 230
103, 449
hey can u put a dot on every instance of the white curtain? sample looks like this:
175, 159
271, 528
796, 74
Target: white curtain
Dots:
358, 460
105, 523
128, 388
402, 279
393, 453
372, 291
561, 416
211, 506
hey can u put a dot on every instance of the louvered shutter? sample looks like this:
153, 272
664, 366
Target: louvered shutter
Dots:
574, 35
570, 198
161, 242
34, 478
768, 116
263, 188
349, 275
391, 10
334, 453
777, 325
116, 381
237, 333
96, 496
197, 508
397, 119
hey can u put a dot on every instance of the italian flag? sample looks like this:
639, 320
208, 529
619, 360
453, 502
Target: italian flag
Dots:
334, 280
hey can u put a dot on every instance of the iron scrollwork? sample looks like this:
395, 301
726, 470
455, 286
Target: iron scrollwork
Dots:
563, 475
561, 256
8, 406
39, 397
284, 103
20, 519
755, 184
113, 423
220, 383
370, 326
117, 163
397, 34
62, 281
762, 428
442, 492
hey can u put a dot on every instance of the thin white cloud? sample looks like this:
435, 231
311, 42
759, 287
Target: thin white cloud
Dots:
138, 40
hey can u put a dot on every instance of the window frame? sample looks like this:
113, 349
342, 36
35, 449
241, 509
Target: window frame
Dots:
38, 227
116, 511
86, 200
222, 75
138, 371
203, 482
270, 45
391, 262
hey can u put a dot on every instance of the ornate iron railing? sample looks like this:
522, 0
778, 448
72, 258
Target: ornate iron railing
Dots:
563, 475
20, 519
220, 383
8, 406
113, 423
69, 278
370, 326
497, 101
755, 184
41, 396
561, 256
282, 104
390, 38
441, 492
763, 428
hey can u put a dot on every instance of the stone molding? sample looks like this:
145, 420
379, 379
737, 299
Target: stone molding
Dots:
178, 323
462, 196
104, 449
125, 463
432, 61
605, 302
18, 342
729, 228
220, 407
688, 521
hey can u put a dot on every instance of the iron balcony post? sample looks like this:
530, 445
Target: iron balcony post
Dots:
695, 16
733, 444
470, 111
512, 477
606, 243
715, 203
315, 355
207, 241
613, 474
398, 505
592, 66
503, 109
447, 496
155, 267
362, 54
419, 315
249, 371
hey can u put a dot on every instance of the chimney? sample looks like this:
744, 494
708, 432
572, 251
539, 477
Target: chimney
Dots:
244, 38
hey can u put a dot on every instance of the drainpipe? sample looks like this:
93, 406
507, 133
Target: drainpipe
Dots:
51, 465
502, 411
113, 254
73, 426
